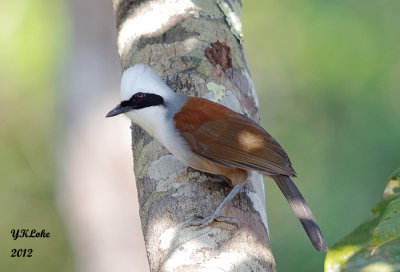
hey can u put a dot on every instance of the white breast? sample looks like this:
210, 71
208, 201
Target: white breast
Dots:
154, 121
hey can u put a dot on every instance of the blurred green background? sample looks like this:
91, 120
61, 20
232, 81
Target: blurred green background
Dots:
34, 33
328, 78
327, 74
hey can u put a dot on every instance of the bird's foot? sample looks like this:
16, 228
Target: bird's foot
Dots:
205, 221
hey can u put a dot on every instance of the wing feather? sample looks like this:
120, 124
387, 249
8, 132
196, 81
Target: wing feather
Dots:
230, 139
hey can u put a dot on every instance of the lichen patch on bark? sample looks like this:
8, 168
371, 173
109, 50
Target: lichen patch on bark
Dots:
232, 11
218, 91
166, 168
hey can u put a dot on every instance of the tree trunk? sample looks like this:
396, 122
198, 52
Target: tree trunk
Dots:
195, 46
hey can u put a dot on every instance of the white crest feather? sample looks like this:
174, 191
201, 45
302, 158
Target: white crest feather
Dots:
141, 78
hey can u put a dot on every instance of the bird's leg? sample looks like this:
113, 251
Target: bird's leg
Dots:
201, 223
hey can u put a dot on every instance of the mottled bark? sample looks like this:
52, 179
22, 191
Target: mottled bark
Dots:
196, 47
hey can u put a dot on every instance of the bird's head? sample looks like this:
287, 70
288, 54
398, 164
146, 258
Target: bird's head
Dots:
141, 89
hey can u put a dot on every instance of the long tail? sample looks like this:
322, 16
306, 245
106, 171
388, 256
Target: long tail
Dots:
302, 211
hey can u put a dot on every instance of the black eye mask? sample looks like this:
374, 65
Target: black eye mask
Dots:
142, 100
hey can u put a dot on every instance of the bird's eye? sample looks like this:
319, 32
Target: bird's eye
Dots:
138, 97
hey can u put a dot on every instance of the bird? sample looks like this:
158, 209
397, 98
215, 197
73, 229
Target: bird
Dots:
212, 138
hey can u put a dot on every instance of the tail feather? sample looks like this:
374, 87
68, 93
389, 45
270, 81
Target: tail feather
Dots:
302, 211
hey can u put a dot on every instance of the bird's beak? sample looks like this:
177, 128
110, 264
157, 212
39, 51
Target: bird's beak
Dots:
118, 110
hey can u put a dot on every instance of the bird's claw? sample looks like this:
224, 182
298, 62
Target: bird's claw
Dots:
205, 221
